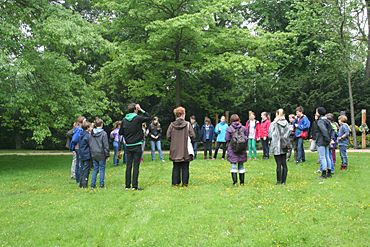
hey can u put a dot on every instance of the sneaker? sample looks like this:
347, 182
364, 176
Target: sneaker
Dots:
255, 159
138, 188
127, 188
223, 159
163, 160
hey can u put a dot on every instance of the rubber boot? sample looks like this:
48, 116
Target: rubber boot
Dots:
241, 178
234, 176
328, 175
323, 175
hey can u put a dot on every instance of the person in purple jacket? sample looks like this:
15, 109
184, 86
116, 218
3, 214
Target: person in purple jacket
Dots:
237, 139
115, 136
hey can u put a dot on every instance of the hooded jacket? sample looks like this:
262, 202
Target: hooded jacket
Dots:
277, 130
156, 131
131, 128
203, 133
324, 132
75, 138
231, 156
99, 146
303, 124
178, 133
264, 128
220, 131
84, 147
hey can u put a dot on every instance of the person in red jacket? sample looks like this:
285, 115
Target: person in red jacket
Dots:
252, 125
264, 134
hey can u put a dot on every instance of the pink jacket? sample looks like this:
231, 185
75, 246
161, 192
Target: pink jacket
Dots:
257, 128
264, 128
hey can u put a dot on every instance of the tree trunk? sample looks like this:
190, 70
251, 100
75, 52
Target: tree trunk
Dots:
178, 87
368, 41
352, 108
18, 140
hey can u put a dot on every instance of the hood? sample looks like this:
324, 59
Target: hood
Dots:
236, 125
222, 123
282, 122
179, 123
97, 132
130, 116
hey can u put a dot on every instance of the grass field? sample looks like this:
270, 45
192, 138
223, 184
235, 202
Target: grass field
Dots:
41, 206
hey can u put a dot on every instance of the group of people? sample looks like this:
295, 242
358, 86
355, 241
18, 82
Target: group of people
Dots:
90, 144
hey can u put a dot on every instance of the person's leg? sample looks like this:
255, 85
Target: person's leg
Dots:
78, 166
345, 157
218, 144
303, 152
195, 148
234, 173
205, 150
299, 150
124, 159
328, 161
130, 160
142, 150
115, 154
73, 166
263, 142
152, 149
224, 148
94, 174
84, 177
334, 155
250, 148
159, 148
285, 168
210, 149
137, 156
331, 160
241, 171
278, 169
322, 157
176, 173
254, 148
102, 165
295, 140
185, 173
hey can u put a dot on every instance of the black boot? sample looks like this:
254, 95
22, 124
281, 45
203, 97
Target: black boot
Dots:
323, 175
328, 175
234, 176
241, 178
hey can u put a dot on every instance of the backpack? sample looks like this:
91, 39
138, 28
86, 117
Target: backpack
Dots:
284, 141
238, 141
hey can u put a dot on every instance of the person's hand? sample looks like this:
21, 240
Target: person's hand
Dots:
138, 107
265, 138
332, 142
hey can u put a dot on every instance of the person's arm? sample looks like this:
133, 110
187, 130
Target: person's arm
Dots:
106, 145
159, 133
191, 132
169, 132
228, 136
271, 130
304, 124
324, 131
257, 135
201, 134
121, 130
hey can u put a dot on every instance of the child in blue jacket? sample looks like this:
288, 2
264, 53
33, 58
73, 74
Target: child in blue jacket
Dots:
343, 140
207, 135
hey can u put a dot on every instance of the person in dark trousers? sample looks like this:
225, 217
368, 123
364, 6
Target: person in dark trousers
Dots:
207, 135
85, 154
196, 139
292, 139
301, 125
178, 133
155, 134
324, 137
75, 147
279, 133
264, 134
131, 130
99, 148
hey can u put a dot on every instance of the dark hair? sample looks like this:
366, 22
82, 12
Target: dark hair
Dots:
192, 117
321, 111
299, 108
116, 124
86, 125
234, 118
99, 122
131, 107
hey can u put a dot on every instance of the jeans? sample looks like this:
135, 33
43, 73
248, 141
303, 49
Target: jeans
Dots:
180, 173
99, 167
73, 166
331, 160
115, 155
237, 168
218, 145
281, 168
252, 148
154, 145
208, 147
324, 157
134, 154
195, 148
343, 155
301, 155
265, 147
85, 171
77, 167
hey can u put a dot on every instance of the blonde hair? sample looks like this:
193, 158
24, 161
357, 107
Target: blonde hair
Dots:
179, 111
343, 119
280, 114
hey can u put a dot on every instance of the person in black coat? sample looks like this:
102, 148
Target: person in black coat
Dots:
155, 134
196, 140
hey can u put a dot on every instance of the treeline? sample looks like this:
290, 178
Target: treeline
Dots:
61, 59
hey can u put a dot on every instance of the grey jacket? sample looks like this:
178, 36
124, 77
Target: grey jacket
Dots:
277, 127
99, 146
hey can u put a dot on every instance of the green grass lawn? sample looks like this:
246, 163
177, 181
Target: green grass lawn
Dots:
41, 206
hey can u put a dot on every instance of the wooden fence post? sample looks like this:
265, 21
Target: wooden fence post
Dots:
363, 122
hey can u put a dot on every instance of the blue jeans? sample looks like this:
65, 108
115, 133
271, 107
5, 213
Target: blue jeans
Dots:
115, 158
99, 167
331, 160
154, 145
195, 148
301, 155
324, 157
343, 155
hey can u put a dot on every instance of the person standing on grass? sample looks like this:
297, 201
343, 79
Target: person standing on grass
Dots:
131, 130
279, 133
324, 138
252, 125
178, 133
196, 139
292, 138
145, 132
155, 134
237, 139
333, 146
75, 147
85, 154
68, 144
264, 134
99, 148
302, 125
115, 136
220, 131
343, 140
207, 135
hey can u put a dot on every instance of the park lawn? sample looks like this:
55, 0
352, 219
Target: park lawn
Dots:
41, 206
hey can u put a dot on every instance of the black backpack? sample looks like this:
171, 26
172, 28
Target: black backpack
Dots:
238, 142
284, 141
